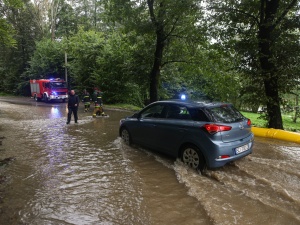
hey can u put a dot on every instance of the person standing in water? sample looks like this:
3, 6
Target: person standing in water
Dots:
73, 103
86, 99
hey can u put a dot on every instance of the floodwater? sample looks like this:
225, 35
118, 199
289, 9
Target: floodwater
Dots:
84, 174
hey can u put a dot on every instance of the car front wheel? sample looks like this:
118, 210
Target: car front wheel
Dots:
192, 157
125, 135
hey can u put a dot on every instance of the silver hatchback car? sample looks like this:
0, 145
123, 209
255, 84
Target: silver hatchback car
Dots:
204, 135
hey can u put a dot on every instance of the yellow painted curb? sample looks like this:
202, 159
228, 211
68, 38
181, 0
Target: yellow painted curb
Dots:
276, 134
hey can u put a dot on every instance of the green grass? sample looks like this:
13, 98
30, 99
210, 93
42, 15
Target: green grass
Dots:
288, 123
4, 94
124, 107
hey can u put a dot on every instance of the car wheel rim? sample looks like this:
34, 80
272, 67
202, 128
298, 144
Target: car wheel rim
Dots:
191, 158
125, 136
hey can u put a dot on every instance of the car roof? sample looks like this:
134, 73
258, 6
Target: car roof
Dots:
194, 103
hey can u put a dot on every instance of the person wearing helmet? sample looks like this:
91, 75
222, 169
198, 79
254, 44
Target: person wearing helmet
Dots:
98, 106
86, 100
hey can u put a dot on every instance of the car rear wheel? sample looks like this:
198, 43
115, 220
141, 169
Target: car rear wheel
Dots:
125, 135
192, 157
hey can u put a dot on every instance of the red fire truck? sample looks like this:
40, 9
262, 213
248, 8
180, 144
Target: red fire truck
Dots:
49, 89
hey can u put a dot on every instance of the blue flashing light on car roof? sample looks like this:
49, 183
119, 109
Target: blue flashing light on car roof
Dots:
183, 97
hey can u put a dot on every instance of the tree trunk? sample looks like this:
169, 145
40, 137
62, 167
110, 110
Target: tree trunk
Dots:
270, 77
273, 103
155, 71
296, 109
54, 8
159, 48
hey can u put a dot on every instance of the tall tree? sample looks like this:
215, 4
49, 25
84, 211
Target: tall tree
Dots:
47, 60
14, 60
53, 14
162, 20
66, 22
271, 17
261, 28
85, 47
88, 14
6, 29
169, 20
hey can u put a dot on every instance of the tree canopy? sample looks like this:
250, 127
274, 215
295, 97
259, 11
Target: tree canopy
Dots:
245, 52
6, 29
265, 35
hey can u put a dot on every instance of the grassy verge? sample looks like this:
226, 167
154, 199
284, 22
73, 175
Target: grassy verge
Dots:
124, 107
4, 94
288, 123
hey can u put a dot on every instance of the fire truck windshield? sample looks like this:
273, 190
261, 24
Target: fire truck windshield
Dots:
58, 84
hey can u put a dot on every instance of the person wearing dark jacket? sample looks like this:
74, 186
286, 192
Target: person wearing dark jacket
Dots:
73, 103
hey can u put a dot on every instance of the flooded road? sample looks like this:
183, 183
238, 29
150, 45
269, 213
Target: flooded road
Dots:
84, 174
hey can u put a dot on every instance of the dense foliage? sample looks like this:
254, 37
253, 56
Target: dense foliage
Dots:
265, 36
245, 52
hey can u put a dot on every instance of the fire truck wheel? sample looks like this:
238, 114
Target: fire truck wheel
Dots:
45, 98
36, 98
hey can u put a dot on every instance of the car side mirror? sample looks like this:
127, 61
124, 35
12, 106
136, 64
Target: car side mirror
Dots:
136, 115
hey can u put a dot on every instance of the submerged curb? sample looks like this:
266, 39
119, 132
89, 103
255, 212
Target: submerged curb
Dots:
276, 134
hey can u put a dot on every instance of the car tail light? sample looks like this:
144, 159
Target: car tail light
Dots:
215, 128
224, 156
249, 122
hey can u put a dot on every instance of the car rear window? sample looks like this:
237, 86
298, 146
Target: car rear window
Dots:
225, 114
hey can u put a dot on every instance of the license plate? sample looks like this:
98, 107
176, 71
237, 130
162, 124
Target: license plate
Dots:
241, 149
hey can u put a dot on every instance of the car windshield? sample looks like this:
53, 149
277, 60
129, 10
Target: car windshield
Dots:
225, 114
58, 84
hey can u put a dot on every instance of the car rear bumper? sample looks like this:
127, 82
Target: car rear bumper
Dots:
222, 162
223, 153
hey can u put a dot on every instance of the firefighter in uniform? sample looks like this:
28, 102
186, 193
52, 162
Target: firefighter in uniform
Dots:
86, 100
98, 106
95, 94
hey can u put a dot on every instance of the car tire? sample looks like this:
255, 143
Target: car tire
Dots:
191, 156
125, 135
